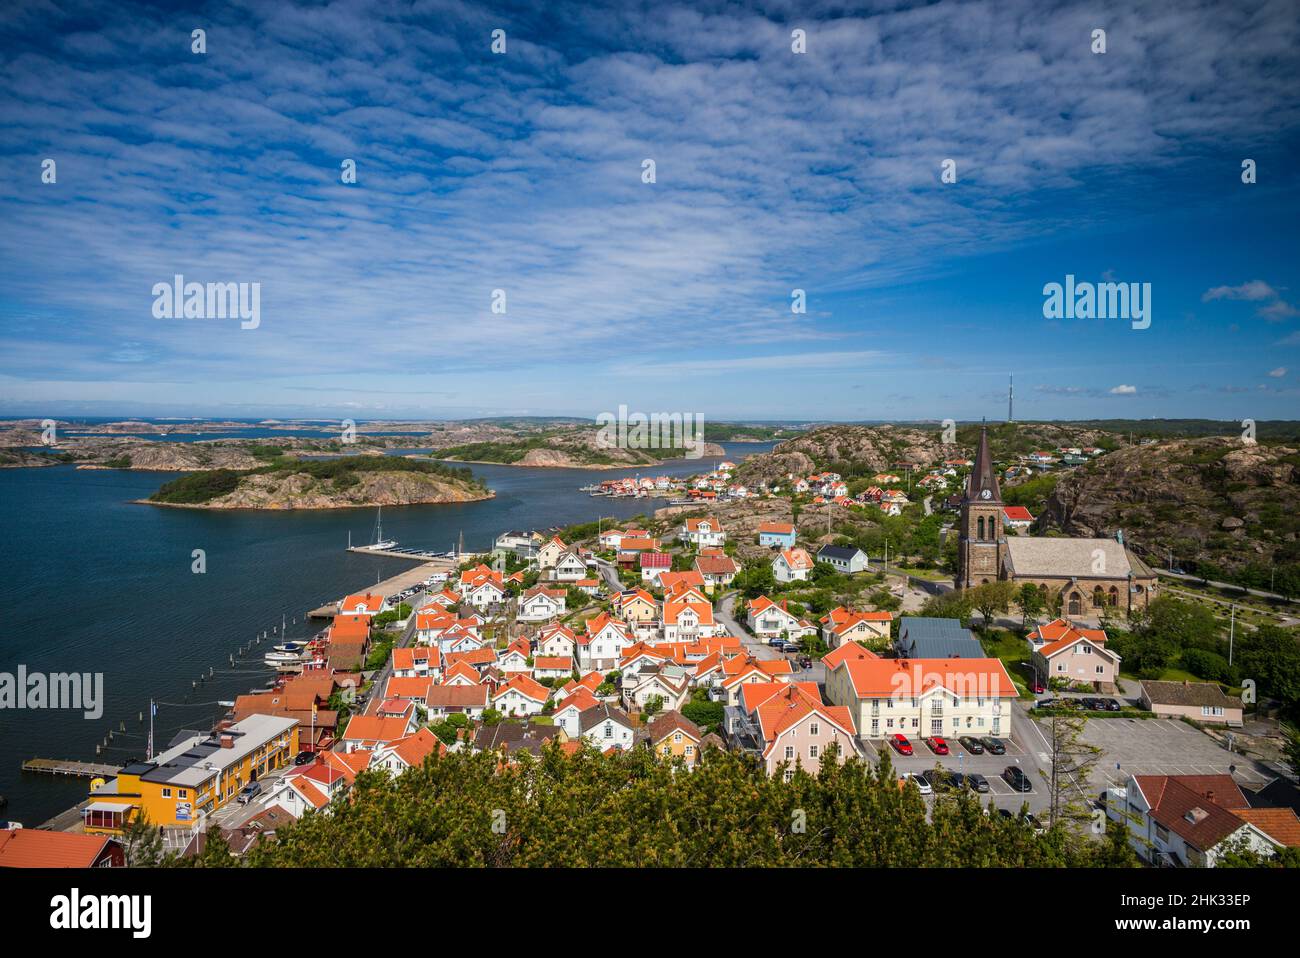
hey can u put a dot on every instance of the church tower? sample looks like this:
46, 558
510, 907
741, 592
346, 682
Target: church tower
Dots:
981, 543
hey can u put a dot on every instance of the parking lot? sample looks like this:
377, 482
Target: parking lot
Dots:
1161, 747
959, 760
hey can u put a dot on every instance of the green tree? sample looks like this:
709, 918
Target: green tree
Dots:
1029, 600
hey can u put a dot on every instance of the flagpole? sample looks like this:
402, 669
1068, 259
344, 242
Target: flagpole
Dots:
152, 709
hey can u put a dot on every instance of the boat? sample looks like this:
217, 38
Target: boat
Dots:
283, 658
295, 647
380, 542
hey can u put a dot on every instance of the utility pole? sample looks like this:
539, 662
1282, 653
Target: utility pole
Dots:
1232, 629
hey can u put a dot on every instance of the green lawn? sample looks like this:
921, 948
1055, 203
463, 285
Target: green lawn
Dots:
1012, 650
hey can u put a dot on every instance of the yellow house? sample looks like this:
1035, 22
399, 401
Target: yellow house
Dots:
638, 606
195, 776
672, 735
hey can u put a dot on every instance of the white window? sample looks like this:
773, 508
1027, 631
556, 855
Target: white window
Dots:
814, 728
167, 792
812, 751
789, 752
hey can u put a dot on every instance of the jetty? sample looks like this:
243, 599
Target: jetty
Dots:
55, 766
395, 584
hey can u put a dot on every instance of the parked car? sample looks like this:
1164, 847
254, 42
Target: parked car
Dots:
1093, 705
977, 782
1038, 687
1034, 823
304, 758
922, 782
952, 780
971, 745
1112, 705
1005, 813
249, 792
993, 746
937, 745
1017, 779
805, 662
901, 743
1046, 704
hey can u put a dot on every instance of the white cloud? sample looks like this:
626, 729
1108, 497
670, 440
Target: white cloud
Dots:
1123, 390
1278, 373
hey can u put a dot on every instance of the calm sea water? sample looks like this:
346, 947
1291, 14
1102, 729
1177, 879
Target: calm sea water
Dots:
90, 582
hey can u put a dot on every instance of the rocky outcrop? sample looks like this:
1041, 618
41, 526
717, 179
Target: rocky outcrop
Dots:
301, 491
1209, 500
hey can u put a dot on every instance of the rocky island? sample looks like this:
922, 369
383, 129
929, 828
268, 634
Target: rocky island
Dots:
349, 482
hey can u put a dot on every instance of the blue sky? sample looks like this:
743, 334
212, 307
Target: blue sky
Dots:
774, 171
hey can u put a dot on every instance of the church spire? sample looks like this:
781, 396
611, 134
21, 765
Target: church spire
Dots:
982, 475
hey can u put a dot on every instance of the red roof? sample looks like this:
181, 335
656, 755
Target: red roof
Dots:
1017, 513
36, 848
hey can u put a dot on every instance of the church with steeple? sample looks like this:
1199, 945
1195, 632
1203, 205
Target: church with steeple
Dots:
981, 542
1090, 574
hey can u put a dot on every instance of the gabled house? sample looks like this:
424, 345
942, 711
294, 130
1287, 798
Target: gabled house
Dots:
601, 646
567, 712
522, 695
672, 735
845, 559
569, 567
669, 683
409, 752
686, 621
1193, 820
702, 533
716, 571
541, 603
771, 620
460, 698
550, 552
653, 565
792, 565
557, 640
365, 733
636, 606
607, 726
363, 603
1200, 701
790, 726
842, 625
1062, 650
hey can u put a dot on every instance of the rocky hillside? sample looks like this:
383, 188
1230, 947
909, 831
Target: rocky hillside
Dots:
1212, 501
335, 484
576, 447
865, 450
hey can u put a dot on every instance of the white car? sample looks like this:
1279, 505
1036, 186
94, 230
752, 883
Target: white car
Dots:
922, 782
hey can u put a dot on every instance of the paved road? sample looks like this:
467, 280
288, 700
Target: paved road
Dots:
1263, 594
385, 673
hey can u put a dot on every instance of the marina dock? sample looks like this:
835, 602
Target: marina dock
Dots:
54, 766
396, 583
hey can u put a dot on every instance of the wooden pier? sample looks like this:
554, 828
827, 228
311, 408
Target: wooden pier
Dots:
54, 766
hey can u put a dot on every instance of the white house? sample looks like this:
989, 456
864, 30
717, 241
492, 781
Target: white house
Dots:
522, 695
570, 567
540, 603
1192, 820
555, 640
702, 533
606, 726
769, 620
846, 559
792, 565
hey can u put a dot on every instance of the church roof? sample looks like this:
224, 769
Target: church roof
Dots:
1078, 558
983, 475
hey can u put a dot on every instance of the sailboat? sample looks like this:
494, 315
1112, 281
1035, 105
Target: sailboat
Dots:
380, 542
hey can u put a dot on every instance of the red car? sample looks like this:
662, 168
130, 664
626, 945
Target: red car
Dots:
902, 744
1038, 687
937, 745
